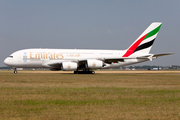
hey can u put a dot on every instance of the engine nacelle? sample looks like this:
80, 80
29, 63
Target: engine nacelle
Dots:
69, 66
94, 64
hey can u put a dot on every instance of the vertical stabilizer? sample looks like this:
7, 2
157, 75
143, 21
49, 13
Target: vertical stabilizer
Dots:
145, 41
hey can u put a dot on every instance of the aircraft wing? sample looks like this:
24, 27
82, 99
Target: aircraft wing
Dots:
150, 57
55, 65
106, 60
58, 64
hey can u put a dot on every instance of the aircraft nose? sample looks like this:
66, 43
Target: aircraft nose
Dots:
6, 61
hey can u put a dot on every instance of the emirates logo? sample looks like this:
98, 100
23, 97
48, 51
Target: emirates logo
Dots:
94, 64
69, 67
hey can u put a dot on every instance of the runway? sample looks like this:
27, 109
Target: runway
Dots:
108, 71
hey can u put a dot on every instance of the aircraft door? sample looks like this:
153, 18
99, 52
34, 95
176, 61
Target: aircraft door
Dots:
17, 58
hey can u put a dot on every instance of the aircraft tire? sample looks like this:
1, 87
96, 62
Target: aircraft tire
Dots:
15, 72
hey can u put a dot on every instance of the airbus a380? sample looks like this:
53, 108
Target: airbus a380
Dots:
84, 61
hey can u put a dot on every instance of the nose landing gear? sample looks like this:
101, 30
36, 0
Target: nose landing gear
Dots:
15, 71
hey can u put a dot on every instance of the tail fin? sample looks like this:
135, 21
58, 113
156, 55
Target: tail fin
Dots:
145, 41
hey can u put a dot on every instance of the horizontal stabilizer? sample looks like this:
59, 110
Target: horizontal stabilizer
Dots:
150, 57
159, 55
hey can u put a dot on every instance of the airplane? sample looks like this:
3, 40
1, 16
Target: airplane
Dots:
83, 61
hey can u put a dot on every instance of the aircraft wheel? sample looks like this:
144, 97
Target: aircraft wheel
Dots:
15, 72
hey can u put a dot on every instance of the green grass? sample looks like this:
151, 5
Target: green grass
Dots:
99, 96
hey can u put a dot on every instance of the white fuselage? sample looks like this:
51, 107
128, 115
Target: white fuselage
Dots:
43, 57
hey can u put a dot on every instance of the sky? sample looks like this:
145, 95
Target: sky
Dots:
89, 24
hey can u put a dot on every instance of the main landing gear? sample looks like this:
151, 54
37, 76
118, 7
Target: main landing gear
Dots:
15, 71
84, 72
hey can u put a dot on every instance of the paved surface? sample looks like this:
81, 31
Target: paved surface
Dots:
130, 72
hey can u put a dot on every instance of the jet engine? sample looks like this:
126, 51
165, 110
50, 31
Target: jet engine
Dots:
69, 66
94, 64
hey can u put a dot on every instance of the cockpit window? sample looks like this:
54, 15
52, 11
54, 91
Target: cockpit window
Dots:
11, 56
